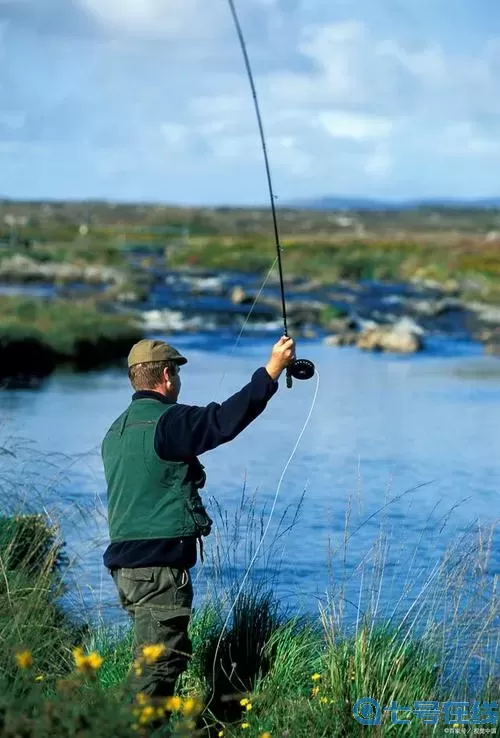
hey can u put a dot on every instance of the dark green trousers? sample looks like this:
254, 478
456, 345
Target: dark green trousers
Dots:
159, 599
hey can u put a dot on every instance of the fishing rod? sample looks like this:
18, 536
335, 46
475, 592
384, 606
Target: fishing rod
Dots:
300, 368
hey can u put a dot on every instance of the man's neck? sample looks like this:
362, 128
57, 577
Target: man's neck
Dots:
153, 394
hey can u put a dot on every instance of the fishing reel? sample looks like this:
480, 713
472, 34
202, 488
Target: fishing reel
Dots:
299, 369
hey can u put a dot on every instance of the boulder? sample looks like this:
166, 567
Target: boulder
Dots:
24, 268
485, 313
348, 338
300, 313
432, 308
404, 337
239, 296
491, 340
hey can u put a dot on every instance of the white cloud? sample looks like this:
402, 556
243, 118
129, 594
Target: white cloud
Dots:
339, 124
156, 18
346, 104
177, 19
429, 65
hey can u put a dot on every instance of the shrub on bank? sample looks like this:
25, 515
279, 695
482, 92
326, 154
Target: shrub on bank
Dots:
37, 335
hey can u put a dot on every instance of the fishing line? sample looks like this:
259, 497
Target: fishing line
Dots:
247, 318
259, 545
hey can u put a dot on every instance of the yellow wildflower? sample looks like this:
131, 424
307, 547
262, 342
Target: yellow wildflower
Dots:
315, 691
249, 706
78, 656
315, 677
141, 698
244, 702
190, 705
266, 735
173, 703
147, 713
323, 700
245, 725
39, 678
220, 734
92, 662
152, 653
24, 659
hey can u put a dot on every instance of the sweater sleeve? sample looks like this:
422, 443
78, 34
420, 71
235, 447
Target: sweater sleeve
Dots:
187, 430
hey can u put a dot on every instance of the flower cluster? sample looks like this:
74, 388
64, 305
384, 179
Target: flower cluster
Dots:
149, 655
24, 659
148, 710
87, 664
316, 690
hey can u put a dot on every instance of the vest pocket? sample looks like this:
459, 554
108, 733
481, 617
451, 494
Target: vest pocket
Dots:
200, 516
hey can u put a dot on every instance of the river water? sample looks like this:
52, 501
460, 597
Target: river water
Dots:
408, 448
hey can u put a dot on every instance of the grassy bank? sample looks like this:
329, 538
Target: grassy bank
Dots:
37, 335
470, 266
275, 674
456, 248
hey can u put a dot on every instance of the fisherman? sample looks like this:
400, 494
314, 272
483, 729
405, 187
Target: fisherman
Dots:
155, 512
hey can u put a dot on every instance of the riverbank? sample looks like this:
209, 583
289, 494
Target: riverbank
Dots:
37, 335
277, 674
386, 281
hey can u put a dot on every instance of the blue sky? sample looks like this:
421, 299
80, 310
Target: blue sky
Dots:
148, 99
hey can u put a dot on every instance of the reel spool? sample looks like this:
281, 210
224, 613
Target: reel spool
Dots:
300, 369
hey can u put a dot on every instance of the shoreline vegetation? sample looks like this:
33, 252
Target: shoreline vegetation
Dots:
83, 250
277, 675
37, 336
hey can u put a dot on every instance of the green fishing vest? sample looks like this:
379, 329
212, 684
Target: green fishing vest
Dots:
147, 497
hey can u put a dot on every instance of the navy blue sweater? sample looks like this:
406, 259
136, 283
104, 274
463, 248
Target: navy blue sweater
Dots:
184, 433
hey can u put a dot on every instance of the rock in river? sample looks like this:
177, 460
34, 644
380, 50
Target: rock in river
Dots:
404, 337
301, 313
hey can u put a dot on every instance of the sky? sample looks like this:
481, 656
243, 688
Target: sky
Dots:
148, 100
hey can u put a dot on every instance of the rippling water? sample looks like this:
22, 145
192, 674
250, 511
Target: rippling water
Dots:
409, 446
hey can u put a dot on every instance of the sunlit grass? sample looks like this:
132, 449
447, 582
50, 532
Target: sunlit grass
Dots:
265, 669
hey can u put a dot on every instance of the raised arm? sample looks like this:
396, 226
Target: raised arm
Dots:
186, 430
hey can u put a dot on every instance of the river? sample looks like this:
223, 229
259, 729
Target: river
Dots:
407, 446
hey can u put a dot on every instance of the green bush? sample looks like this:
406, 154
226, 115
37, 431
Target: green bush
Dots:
36, 335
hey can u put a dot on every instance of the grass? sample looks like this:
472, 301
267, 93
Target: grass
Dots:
269, 671
457, 249
464, 264
38, 335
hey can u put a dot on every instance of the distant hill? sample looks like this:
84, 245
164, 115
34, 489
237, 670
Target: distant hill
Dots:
331, 202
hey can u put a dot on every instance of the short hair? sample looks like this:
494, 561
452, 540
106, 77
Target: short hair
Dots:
147, 376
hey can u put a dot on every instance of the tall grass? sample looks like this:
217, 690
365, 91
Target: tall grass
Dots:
297, 674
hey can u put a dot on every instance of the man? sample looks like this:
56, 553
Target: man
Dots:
155, 512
